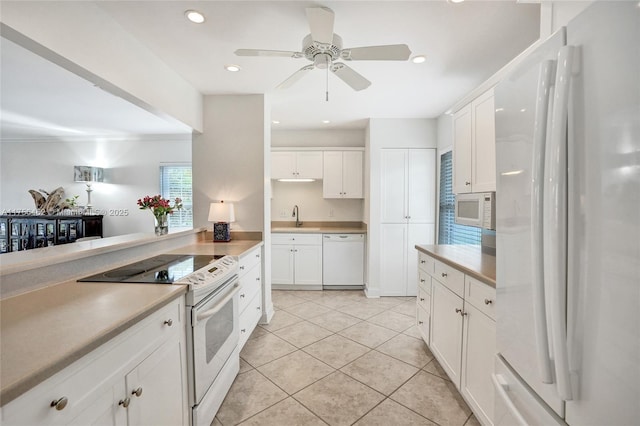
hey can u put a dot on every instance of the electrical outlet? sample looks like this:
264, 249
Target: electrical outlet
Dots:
330, 212
283, 213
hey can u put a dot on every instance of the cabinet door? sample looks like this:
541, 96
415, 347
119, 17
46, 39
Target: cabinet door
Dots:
417, 233
479, 347
483, 149
421, 186
309, 164
393, 182
105, 410
352, 174
462, 138
157, 388
308, 265
283, 164
393, 267
332, 175
282, 264
446, 330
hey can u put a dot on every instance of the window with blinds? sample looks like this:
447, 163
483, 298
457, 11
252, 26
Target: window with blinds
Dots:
175, 182
449, 232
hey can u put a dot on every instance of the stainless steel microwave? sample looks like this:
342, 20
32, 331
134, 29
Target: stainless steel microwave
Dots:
476, 209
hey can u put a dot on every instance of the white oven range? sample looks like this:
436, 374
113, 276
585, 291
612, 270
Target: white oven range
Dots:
213, 358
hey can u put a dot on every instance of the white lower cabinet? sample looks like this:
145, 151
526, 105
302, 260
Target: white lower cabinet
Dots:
250, 293
462, 333
296, 260
137, 378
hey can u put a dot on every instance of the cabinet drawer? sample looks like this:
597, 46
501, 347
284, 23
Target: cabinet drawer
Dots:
250, 285
450, 277
250, 259
249, 318
299, 239
423, 323
426, 263
424, 298
87, 379
481, 295
424, 280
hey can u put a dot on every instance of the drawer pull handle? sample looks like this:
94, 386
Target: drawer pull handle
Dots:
488, 301
137, 392
258, 256
467, 183
421, 280
59, 404
257, 278
461, 312
444, 275
420, 322
423, 261
242, 296
242, 268
169, 322
244, 330
124, 402
422, 299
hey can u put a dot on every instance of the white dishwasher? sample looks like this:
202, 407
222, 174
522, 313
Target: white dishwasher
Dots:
342, 261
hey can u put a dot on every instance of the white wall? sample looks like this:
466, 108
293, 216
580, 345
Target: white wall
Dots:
92, 45
132, 169
312, 207
555, 14
318, 138
387, 133
228, 160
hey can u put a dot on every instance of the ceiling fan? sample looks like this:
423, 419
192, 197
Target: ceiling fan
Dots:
324, 48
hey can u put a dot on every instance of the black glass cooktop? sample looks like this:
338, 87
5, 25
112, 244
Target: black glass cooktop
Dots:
163, 269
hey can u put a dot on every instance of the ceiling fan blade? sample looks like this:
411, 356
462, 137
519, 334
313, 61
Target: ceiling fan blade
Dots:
273, 53
295, 77
321, 24
349, 76
392, 52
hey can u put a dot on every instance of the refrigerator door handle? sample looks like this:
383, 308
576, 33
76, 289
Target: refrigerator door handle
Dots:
544, 92
502, 387
555, 219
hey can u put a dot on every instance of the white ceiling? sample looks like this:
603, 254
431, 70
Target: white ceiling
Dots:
464, 44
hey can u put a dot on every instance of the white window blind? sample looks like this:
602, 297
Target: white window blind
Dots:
449, 232
175, 182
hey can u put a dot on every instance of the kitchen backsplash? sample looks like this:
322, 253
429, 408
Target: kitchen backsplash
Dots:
308, 197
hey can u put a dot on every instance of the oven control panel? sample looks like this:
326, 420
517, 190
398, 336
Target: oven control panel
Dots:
215, 272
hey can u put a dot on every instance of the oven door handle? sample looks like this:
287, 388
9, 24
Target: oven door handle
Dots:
211, 312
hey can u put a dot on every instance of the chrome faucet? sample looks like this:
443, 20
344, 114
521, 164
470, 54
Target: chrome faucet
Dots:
296, 214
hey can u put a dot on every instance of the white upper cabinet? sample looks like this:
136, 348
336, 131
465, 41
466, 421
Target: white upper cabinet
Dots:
343, 174
296, 165
408, 185
474, 146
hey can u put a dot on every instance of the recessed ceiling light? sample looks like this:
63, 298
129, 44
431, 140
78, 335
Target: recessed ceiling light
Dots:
418, 59
232, 67
456, 1
275, 122
194, 16
326, 121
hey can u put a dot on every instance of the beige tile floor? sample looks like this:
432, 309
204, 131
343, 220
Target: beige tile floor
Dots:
338, 358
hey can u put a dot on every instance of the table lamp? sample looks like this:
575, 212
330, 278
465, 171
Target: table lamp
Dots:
221, 214
88, 175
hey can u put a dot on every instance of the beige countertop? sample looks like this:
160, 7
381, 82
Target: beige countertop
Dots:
45, 330
319, 228
467, 258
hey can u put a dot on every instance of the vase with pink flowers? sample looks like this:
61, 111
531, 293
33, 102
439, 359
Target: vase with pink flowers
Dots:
161, 208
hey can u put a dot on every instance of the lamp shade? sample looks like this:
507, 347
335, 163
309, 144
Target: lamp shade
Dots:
221, 212
88, 174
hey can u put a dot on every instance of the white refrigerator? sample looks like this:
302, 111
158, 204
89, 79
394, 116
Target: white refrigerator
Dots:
568, 226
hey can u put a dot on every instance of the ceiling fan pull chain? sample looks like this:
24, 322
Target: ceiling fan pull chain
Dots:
328, 66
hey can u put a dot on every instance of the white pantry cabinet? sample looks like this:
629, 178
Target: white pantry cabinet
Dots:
250, 293
462, 330
474, 146
137, 378
296, 261
343, 174
408, 181
296, 164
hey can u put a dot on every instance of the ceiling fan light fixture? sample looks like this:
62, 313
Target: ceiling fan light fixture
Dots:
232, 67
326, 121
194, 16
275, 122
418, 59
322, 61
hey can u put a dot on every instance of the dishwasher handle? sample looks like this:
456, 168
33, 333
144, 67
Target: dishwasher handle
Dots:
343, 237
